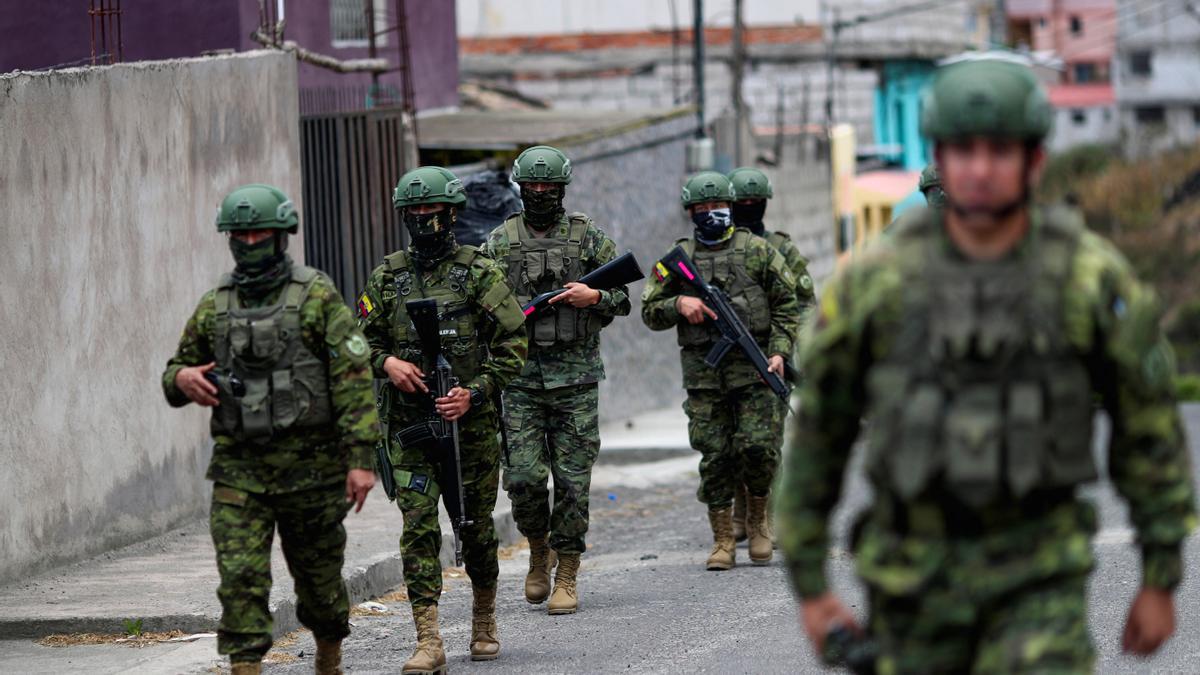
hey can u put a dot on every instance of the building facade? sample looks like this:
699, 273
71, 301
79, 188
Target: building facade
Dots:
46, 35
1157, 69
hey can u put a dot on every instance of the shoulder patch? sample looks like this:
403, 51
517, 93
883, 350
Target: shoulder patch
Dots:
365, 306
356, 345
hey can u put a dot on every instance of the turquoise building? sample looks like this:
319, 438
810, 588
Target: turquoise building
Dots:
898, 112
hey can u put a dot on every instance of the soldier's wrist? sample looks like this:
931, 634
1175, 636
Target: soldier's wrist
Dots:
1162, 566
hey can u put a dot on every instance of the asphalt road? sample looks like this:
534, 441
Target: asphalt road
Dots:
648, 605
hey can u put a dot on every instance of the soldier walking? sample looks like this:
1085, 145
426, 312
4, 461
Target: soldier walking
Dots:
753, 190
734, 419
276, 354
551, 410
483, 338
976, 340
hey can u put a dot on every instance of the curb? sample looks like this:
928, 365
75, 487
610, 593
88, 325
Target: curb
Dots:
362, 583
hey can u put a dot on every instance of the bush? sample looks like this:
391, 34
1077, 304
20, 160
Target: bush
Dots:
1064, 171
1187, 387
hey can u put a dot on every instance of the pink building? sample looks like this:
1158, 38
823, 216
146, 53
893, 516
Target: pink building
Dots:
1082, 33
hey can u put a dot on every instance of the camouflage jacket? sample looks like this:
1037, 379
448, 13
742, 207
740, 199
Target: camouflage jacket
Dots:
1110, 324
500, 328
563, 364
797, 264
300, 459
765, 267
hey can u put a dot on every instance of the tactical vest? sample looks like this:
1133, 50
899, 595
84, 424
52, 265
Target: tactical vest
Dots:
726, 269
456, 315
537, 265
776, 239
981, 386
286, 384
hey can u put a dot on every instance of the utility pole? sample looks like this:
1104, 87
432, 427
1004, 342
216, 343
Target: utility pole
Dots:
999, 24
739, 67
831, 43
698, 63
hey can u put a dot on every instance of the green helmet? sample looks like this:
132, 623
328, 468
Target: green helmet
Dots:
987, 97
929, 178
429, 185
257, 207
750, 183
707, 186
542, 164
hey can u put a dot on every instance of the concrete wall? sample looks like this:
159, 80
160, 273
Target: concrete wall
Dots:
110, 180
1170, 34
1078, 126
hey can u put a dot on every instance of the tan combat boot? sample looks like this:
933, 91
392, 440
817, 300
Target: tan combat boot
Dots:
484, 645
429, 657
541, 561
739, 512
722, 556
566, 599
246, 668
329, 657
761, 548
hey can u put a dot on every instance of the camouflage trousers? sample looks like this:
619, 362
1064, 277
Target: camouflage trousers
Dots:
552, 432
314, 542
1041, 628
738, 434
421, 542
784, 409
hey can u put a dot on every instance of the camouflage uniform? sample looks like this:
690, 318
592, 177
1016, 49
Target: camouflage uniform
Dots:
551, 410
734, 420
976, 551
486, 346
295, 481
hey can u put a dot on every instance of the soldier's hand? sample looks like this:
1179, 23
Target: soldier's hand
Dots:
193, 385
775, 364
693, 309
577, 295
1151, 621
821, 614
454, 404
407, 377
358, 483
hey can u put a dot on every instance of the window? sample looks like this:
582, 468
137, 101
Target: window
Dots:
1139, 63
1196, 115
1085, 72
1076, 26
1041, 22
348, 23
1151, 114
1078, 117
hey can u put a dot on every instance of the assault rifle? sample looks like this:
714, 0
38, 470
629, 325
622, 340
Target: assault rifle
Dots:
619, 271
435, 429
732, 332
844, 648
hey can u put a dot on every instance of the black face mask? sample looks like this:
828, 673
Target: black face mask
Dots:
750, 216
263, 267
542, 208
432, 235
712, 227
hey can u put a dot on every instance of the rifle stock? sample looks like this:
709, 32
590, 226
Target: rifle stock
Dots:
623, 269
731, 331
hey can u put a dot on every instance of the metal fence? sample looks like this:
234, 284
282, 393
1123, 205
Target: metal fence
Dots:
350, 164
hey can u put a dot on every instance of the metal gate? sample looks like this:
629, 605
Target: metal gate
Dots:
350, 163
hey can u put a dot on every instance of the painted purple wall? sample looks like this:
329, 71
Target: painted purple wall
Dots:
43, 34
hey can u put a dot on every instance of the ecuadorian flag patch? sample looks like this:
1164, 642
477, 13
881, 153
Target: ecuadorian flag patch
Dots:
365, 306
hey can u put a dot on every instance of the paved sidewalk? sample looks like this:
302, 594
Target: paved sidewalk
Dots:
170, 581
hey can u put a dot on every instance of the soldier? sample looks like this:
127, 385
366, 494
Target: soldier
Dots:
484, 340
753, 189
930, 186
276, 354
976, 341
551, 410
733, 417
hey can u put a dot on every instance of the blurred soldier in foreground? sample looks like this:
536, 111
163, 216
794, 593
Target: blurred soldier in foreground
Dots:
276, 354
977, 341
